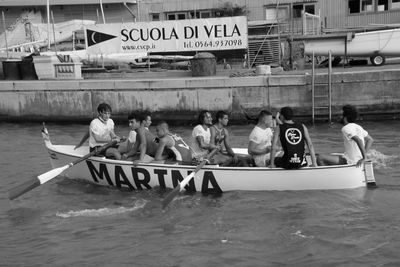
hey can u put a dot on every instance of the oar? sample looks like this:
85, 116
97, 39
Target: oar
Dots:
45, 177
185, 181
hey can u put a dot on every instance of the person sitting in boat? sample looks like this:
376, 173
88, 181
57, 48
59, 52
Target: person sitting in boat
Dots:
146, 142
101, 132
200, 140
357, 141
260, 139
171, 146
220, 138
127, 145
293, 137
147, 120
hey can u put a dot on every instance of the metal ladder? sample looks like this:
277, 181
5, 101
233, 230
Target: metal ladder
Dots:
322, 94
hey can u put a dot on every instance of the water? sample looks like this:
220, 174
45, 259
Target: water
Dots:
70, 223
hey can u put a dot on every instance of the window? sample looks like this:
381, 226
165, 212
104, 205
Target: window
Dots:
367, 5
207, 14
354, 6
155, 16
193, 16
395, 4
274, 15
310, 9
297, 9
383, 5
181, 16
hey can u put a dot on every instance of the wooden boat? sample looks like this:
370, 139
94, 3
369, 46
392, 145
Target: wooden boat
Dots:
210, 179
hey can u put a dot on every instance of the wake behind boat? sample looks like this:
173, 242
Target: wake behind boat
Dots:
210, 179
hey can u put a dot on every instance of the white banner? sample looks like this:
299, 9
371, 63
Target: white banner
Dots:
168, 36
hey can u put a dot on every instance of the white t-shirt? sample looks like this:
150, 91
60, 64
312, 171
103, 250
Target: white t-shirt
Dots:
101, 131
197, 151
263, 138
352, 152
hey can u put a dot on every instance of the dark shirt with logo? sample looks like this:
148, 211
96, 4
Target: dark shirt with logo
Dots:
292, 141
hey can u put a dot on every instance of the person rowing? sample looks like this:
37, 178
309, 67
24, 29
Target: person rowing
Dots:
101, 132
220, 138
356, 140
293, 137
171, 146
145, 145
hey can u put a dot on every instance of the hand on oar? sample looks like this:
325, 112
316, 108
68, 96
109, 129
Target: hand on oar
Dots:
185, 181
41, 179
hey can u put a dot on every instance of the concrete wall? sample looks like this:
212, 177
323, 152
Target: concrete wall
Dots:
179, 100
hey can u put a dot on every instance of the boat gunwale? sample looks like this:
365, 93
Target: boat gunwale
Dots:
206, 167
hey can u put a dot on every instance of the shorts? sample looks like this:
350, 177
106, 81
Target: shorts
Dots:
262, 160
97, 148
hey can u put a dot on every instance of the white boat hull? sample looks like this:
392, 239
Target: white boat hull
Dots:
385, 43
210, 179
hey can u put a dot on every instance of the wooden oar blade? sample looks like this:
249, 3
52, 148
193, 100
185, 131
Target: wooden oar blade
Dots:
23, 188
171, 196
31, 184
47, 176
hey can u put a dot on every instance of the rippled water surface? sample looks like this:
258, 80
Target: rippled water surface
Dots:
71, 223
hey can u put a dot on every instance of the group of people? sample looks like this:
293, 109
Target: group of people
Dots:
143, 146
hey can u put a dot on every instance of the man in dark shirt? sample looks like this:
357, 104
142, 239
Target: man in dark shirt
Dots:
293, 137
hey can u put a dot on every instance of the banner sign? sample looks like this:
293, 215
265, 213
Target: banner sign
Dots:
224, 33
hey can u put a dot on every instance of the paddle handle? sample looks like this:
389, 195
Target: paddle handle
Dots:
43, 178
23, 188
94, 152
185, 181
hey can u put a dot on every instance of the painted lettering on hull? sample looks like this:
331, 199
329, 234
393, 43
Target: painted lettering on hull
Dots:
139, 178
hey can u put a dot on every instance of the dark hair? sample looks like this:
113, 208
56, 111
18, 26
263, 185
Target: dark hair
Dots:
264, 113
350, 112
287, 112
103, 107
139, 117
220, 114
146, 113
202, 115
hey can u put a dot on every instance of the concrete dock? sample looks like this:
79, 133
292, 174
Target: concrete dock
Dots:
375, 91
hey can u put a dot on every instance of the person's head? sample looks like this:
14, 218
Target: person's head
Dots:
222, 117
287, 113
204, 117
134, 120
265, 117
162, 129
104, 111
349, 113
147, 119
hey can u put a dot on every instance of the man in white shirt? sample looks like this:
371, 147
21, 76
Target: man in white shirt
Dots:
260, 139
200, 142
357, 141
101, 131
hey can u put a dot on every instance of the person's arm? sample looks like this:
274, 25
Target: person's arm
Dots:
253, 150
368, 143
143, 143
310, 147
133, 148
278, 121
362, 150
83, 140
274, 146
212, 144
229, 148
160, 149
